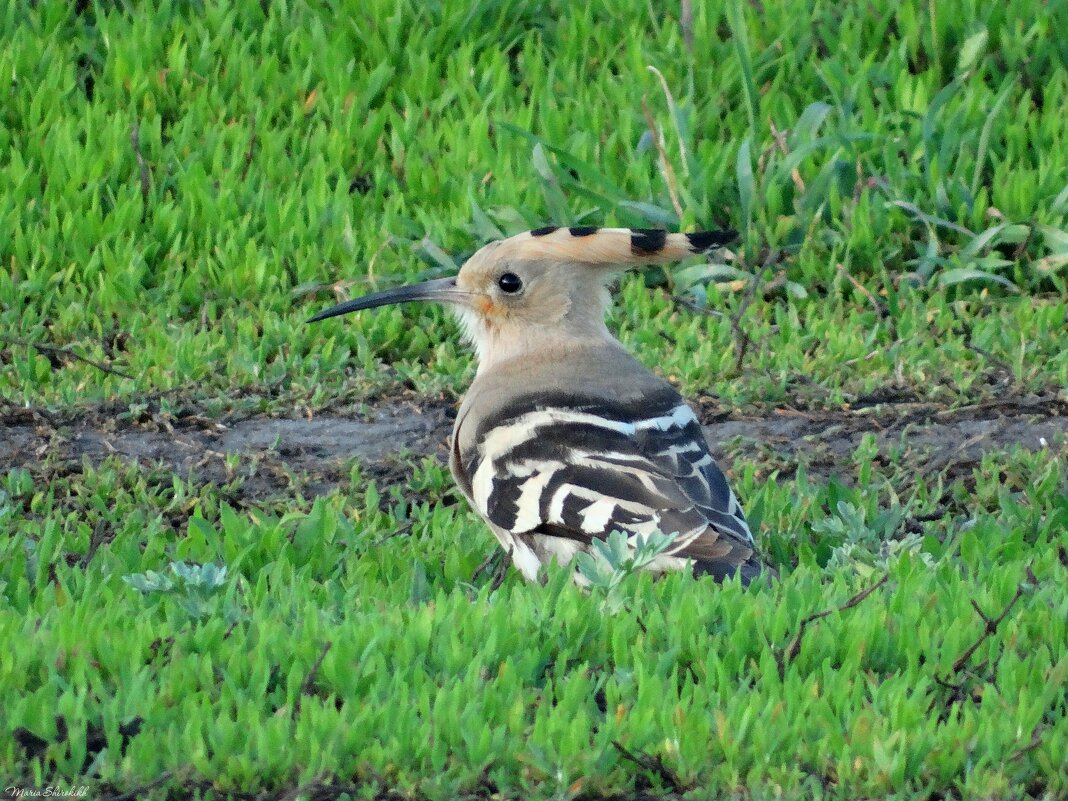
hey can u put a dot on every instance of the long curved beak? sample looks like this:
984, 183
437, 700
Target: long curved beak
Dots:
441, 290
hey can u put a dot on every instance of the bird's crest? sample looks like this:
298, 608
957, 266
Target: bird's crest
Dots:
611, 246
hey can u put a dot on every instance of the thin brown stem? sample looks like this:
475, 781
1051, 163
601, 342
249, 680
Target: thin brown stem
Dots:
42, 348
794, 648
665, 165
142, 167
251, 152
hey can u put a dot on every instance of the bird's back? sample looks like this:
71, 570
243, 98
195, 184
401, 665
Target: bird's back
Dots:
575, 442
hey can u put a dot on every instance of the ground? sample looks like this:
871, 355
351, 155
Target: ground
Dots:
321, 447
232, 561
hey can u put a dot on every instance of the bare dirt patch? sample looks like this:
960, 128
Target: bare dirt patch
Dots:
321, 447
928, 438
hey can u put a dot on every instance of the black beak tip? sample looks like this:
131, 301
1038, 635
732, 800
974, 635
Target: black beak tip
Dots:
333, 311
429, 290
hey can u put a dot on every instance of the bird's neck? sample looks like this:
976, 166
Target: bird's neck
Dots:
500, 341
497, 347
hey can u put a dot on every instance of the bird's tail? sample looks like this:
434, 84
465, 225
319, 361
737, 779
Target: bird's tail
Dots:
749, 570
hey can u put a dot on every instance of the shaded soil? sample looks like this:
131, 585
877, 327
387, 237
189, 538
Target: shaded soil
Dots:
382, 436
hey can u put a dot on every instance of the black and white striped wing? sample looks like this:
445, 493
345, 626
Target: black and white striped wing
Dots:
580, 472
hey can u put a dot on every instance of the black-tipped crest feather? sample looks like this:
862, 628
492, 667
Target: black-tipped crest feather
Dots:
646, 241
704, 241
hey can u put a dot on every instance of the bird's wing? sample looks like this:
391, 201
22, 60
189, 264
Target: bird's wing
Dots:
582, 471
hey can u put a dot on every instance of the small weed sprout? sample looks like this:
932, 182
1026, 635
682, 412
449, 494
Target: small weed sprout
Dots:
148, 582
851, 525
864, 545
615, 558
6, 509
194, 587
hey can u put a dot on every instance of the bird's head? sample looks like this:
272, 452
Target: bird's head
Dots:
541, 286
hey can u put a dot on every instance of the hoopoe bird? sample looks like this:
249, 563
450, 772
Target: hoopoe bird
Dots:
563, 436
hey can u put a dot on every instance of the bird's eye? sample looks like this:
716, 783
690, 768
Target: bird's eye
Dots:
510, 283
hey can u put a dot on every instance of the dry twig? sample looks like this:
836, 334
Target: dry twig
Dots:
140, 792
789, 654
653, 764
66, 352
251, 150
992, 624
696, 307
683, 154
862, 290
1035, 742
308, 685
665, 165
780, 142
741, 338
959, 689
502, 571
142, 167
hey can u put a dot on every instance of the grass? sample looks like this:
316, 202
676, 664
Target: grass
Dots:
184, 184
